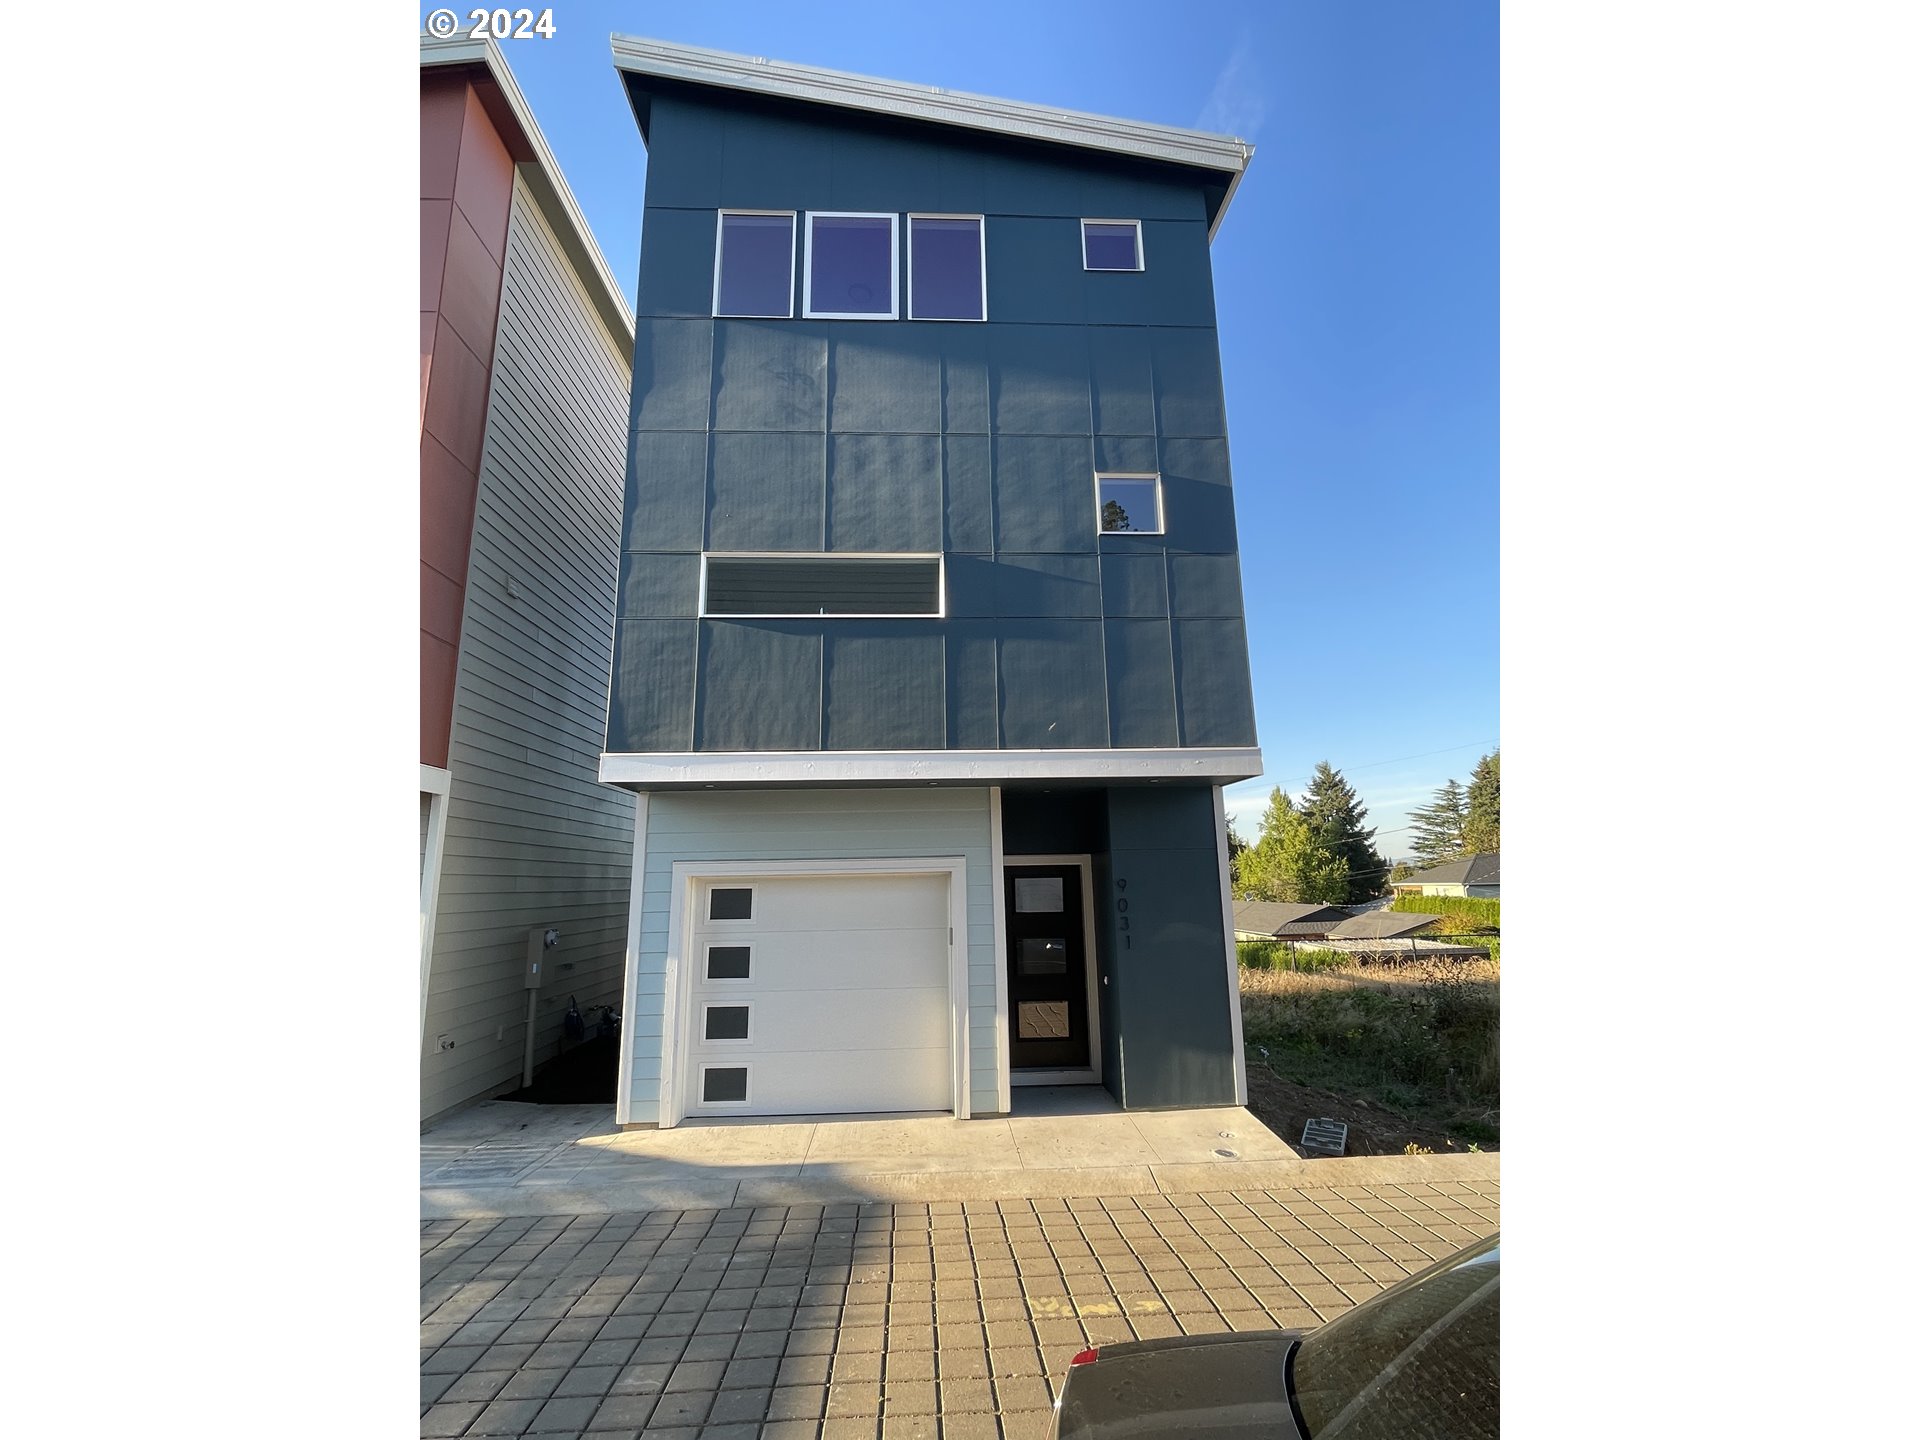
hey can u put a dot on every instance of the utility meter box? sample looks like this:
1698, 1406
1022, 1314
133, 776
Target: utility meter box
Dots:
541, 941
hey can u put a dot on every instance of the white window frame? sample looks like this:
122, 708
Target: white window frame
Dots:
937, 556
753, 899
981, 319
700, 1097
706, 1039
719, 253
707, 977
1139, 248
1159, 501
893, 264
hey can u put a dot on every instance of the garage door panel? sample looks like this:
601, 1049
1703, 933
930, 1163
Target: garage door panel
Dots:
847, 903
815, 959
822, 1020
807, 1083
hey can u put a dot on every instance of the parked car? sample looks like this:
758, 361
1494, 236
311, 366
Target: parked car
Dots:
1418, 1361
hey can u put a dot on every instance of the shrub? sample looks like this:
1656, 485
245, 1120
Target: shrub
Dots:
1279, 955
1475, 910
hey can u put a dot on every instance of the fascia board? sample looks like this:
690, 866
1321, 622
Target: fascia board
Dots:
1223, 765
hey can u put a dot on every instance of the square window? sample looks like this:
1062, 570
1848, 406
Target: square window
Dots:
1111, 245
729, 962
946, 267
753, 265
851, 262
1130, 504
730, 904
723, 1084
727, 1022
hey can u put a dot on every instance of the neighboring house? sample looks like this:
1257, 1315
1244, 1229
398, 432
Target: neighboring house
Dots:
1282, 920
930, 662
525, 364
1475, 875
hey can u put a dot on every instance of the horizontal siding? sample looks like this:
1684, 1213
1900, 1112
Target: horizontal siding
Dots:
532, 838
814, 825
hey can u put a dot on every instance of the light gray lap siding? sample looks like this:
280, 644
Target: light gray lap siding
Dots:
532, 838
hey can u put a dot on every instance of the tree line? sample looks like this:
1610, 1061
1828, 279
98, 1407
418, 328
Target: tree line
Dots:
1319, 849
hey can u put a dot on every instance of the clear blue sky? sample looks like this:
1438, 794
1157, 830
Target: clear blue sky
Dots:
1357, 279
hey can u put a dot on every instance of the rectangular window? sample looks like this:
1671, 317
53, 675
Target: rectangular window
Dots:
730, 904
727, 1022
946, 267
770, 586
753, 264
851, 264
723, 1084
729, 962
1129, 504
1111, 245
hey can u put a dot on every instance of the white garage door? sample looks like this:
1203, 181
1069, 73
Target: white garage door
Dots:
819, 995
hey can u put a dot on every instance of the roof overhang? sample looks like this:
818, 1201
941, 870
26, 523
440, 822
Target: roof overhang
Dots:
534, 159
767, 768
639, 61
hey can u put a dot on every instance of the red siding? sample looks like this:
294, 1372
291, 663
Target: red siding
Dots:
466, 193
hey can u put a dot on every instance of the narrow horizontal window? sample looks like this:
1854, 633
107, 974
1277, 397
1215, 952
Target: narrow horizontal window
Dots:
1111, 245
730, 904
753, 265
797, 585
946, 267
851, 264
723, 1084
1130, 504
727, 1022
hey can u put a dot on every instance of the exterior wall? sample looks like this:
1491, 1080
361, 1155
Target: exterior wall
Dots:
979, 440
532, 838
466, 191
811, 825
1484, 892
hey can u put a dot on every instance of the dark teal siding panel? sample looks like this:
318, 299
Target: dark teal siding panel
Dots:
683, 156
654, 586
1182, 272
1040, 380
651, 707
666, 490
1118, 297
1043, 493
769, 375
1169, 817
1126, 454
1122, 367
1023, 184
1133, 585
672, 374
1186, 383
883, 493
1110, 195
1053, 822
1197, 495
973, 685
965, 397
1045, 586
1052, 685
970, 587
1033, 271
768, 163
1140, 709
885, 377
1213, 683
676, 263
969, 492
769, 492
879, 172
885, 687
759, 685
960, 179
1205, 585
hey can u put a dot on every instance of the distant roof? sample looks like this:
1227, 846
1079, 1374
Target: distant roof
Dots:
536, 165
1275, 917
1223, 155
1381, 924
1411, 946
1472, 870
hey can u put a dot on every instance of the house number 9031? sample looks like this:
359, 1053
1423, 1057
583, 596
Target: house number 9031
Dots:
1120, 904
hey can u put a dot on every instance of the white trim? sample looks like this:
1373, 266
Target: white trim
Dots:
702, 66
1091, 957
1159, 501
1233, 949
676, 1021
660, 769
893, 266
437, 784
1139, 248
719, 251
1002, 1045
981, 220
630, 987
709, 1005
811, 556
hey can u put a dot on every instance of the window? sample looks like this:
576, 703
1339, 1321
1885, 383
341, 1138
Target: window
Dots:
730, 904
729, 962
769, 586
727, 1022
1111, 245
851, 262
946, 267
1129, 504
753, 264
723, 1084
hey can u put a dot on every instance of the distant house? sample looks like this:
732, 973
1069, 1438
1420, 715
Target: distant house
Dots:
1474, 875
1278, 920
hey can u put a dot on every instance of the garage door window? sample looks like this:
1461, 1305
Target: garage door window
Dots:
728, 1022
729, 962
723, 1084
730, 904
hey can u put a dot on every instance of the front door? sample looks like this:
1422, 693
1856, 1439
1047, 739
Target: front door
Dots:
1046, 968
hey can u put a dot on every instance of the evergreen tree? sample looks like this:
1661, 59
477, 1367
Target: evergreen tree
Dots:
1334, 813
1399, 872
1290, 861
1481, 833
1439, 829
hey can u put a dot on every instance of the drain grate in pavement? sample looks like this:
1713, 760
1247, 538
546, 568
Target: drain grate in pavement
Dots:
489, 1165
1324, 1137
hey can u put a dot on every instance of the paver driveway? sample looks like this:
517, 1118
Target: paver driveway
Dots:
949, 1319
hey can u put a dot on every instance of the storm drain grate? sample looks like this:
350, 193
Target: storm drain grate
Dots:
1324, 1137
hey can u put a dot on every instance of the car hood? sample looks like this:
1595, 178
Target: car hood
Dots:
1180, 1386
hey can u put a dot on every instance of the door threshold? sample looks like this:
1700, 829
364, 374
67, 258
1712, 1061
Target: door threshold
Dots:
1083, 1076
